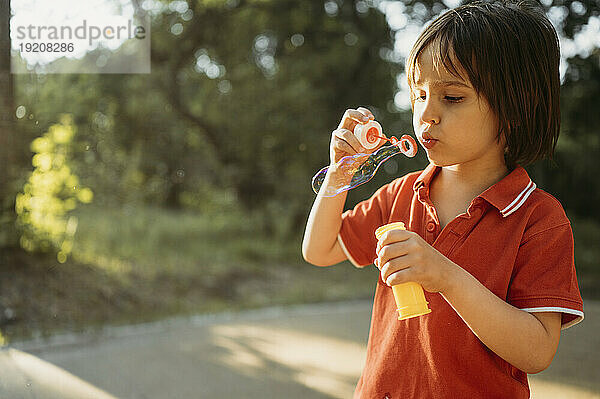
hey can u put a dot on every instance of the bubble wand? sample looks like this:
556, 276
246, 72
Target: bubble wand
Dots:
362, 167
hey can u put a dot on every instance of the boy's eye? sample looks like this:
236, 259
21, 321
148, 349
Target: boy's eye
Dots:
452, 99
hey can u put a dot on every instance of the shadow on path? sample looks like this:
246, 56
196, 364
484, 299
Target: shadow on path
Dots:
311, 351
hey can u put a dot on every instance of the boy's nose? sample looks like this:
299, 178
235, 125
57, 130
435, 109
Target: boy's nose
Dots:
430, 118
430, 114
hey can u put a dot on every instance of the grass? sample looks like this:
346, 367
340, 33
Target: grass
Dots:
140, 264
173, 241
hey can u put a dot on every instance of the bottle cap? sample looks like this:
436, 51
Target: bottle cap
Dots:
367, 134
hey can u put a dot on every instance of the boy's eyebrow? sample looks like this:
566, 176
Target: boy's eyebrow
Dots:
445, 83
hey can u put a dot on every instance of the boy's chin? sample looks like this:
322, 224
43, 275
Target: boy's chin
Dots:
435, 161
440, 163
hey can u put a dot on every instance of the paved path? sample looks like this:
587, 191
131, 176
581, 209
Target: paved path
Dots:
25, 376
312, 351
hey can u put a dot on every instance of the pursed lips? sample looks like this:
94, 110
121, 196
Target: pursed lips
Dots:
426, 139
425, 136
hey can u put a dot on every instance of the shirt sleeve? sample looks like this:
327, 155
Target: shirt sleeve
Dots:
544, 278
357, 234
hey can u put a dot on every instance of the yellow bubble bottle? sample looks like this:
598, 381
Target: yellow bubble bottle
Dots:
410, 298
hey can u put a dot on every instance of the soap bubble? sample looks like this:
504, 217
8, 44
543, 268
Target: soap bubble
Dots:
360, 168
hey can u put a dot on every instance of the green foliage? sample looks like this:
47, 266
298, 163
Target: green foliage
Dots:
51, 192
239, 107
571, 177
252, 134
287, 70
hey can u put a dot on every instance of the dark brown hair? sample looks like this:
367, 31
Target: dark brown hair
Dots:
510, 53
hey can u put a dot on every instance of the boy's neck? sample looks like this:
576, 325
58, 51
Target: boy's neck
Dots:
472, 179
455, 187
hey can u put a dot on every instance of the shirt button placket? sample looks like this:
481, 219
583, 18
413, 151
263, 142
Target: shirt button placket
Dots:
431, 227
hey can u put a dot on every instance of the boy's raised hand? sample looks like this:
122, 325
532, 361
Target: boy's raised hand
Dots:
343, 141
404, 256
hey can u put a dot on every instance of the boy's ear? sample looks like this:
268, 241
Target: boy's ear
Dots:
513, 125
501, 138
507, 157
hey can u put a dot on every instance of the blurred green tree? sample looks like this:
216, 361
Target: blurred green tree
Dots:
572, 177
51, 192
243, 96
265, 82
7, 133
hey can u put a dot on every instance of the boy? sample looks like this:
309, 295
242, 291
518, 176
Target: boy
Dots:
493, 253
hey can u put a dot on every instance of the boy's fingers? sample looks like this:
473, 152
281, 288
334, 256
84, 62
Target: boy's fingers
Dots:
343, 143
392, 236
343, 146
367, 112
350, 138
398, 250
351, 118
399, 277
388, 269
385, 271
358, 115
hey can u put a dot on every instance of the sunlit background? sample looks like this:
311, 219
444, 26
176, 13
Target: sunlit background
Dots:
185, 188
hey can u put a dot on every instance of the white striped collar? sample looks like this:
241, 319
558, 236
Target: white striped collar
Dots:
510, 193
519, 200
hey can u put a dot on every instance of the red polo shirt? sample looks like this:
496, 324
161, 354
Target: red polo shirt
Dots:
514, 238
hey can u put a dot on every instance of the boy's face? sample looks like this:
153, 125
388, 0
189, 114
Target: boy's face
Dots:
453, 123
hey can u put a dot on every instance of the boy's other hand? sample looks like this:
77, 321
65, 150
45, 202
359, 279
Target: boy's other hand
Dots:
404, 256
